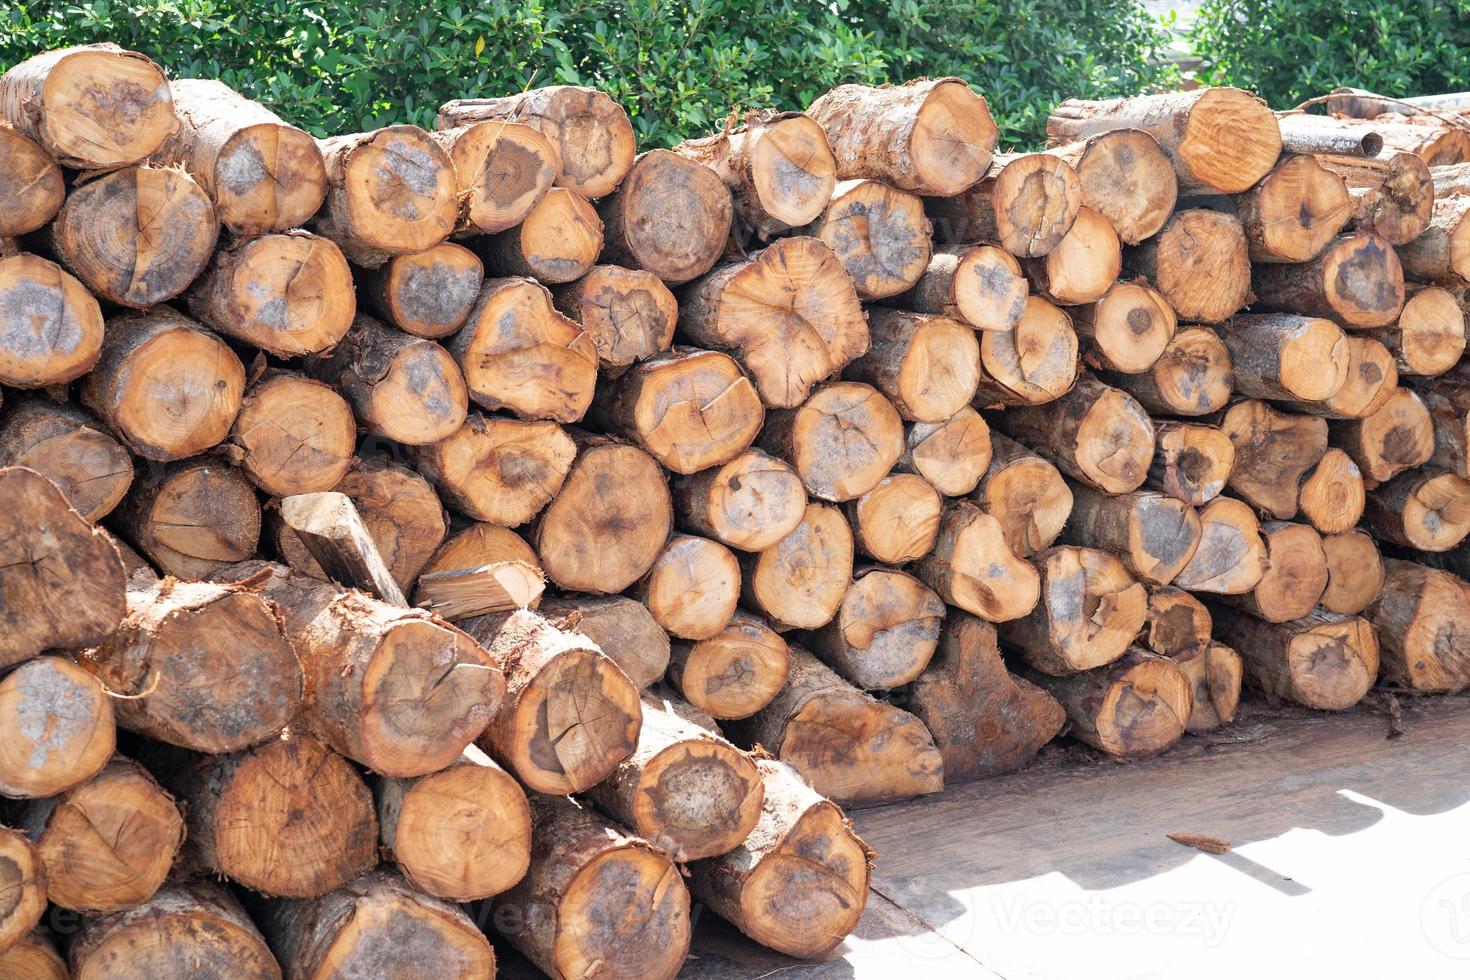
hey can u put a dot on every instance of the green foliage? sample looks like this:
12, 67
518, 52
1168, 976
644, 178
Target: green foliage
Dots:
1292, 50
679, 66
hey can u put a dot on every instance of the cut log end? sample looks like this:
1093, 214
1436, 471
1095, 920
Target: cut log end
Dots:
734, 673
750, 503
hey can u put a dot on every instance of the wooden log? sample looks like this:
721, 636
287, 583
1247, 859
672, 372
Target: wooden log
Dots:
480, 544
898, 520
1296, 573
1426, 508
693, 587
1028, 205
788, 313
670, 216
623, 629
951, 455
1357, 103
1177, 622
71, 449
629, 313
1397, 437
1089, 611
1323, 660
1218, 138
60, 728
167, 388
1332, 493
329, 527
93, 107
799, 581
1215, 673
1025, 494
749, 503
33, 956
32, 188
1032, 364
1308, 135
1442, 253
591, 132
1448, 403
1357, 281
1371, 380
199, 665
1083, 266
137, 236
1294, 212
106, 844
189, 927
1133, 708
885, 630
979, 284
1095, 433
1274, 451
570, 714
1193, 376
1391, 196
1231, 557
734, 673
927, 366
777, 166
503, 471
1451, 180
191, 518
1155, 536
501, 169
460, 834
799, 883
263, 174
1439, 144
1200, 261
841, 441
1286, 356
539, 366
1422, 616
932, 136
592, 541
879, 234
848, 746
293, 434
291, 795
50, 326
559, 241
1191, 463
1429, 337
1126, 178
430, 294
596, 899
392, 191
23, 878
1354, 571
973, 567
1127, 330
61, 581
133, 563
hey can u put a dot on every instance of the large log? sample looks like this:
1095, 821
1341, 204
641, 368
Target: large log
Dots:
629, 313
1391, 196
1231, 557
33, 957
1397, 437
1274, 451
1191, 462
1354, 571
1332, 494
1422, 616
429, 294
951, 455
559, 241
31, 188
885, 630
1154, 535
693, 587
1322, 660
622, 628
23, 878
670, 216
499, 470
878, 233
1429, 337
973, 567
898, 520
1127, 330
71, 449
59, 728
1089, 611
1027, 205
1126, 178
1095, 433
1200, 261
734, 673
293, 434
1034, 363
1025, 494
749, 503
50, 326
1193, 376
1357, 281
1426, 508
191, 518
979, 284
1135, 707
1442, 253
1083, 266
799, 581
1294, 212
841, 441
1296, 573
501, 169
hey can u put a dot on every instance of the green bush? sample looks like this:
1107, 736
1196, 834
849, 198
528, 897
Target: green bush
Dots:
677, 65
1292, 50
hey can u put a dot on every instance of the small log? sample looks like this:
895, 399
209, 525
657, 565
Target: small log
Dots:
1426, 508
23, 878
1025, 494
71, 449
50, 326
1332, 493
885, 630
1429, 337
498, 587
670, 216
693, 587
1032, 364
951, 455
501, 169
1231, 557
1089, 611
1274, 452
841, 441
734, 673
1296, 573
927, 366
1215, 673
168, 388
1095, 433
1356, 281
1028, 205
1126, 178
973, 567
623, 629
331, 530
293, 434
1294, 212
1422, 616
1193, 376
430, 294
1397, 437
1127, 330
499, 470
1442, 253
33, 956
1083, 266
1133, 708
32, 188
799, 581
1323, 660
1200, 261
898, 520
879, 234
629, 313
1308, 135
559, 241
1191, 463
191, 518
788, 313
1392, 196
1177, 622
59, 727
1354, 571
1154, 535
750, 503
932, 136
979, 284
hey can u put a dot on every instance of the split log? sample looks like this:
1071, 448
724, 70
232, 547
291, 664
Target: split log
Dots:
1135, 707
292, 795
1274, 452
293, 434
885, 630
61, 581
1332, 494
1193, 376
878, 233
591, 132
430, 294
460, 834
1177, 622
93, 107
623, 629
390, 192
1027, 206
108, 843
1127, 330
137, 236
973, 567
670, 216
927, 366
1448, 403
191, 518
1089, 611
788, 313
50, 326
1429, 337
501, 169
1294, 212
951, 455
750, 503
629, 313
1095, 433
734, 673
1155, 536
199, 665
848, 746
1391, 196
72, 450
1191, 462
1354, 571
494, 588
1397, 437
1083, 266
799, 581
596, 899
1215, 673
262, 173
480, 544
799, 882
1423, 620
1286, 356
32, 188
166, 387
60, 728
841, 441
1323, 660
591, 540
1296, 573
693, 587
1426, 508
691, 409
1442, 253
1357, 281
1126, 178
1231, 557
1200, 262
777, 166
979, 284
933, 136
1025, 494
559, 241
1034, 363
23, 877
898, 520
1217, 138
329, 527
33, 956
539, 365
499, 470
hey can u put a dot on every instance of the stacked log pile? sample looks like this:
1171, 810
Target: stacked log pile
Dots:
498, 532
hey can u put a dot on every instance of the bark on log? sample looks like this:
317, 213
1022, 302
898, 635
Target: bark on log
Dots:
879, 234
1308, 135
50, 326
799, 581
59, 727
750, 503
1089, 611
1357, 103
622, 628
1286, 356
1215, 673
1442, 253
1191, 462
1332, 493
670, 216
1126, 178
1429, 337
1083, 266
1032, 364
1426, 508
979, 284
1200, 262
71, 449
559, 241
1392, 196
501, 169
693, 587
293, 434
1354, 571
1025, 494
885, 630
1231, 557
1027, 206
191, 518
1448, 402
1274, 451
498, 470
841, 441
951, 455
1194, 376
1323, 660
973, 567
1155, 536
1397, 437
31, 188
735, 673
1133, 708
1423, 620
629, 313
1357, 281
430, 294
898, 520
1294, 212
1127, 330
1095, 433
